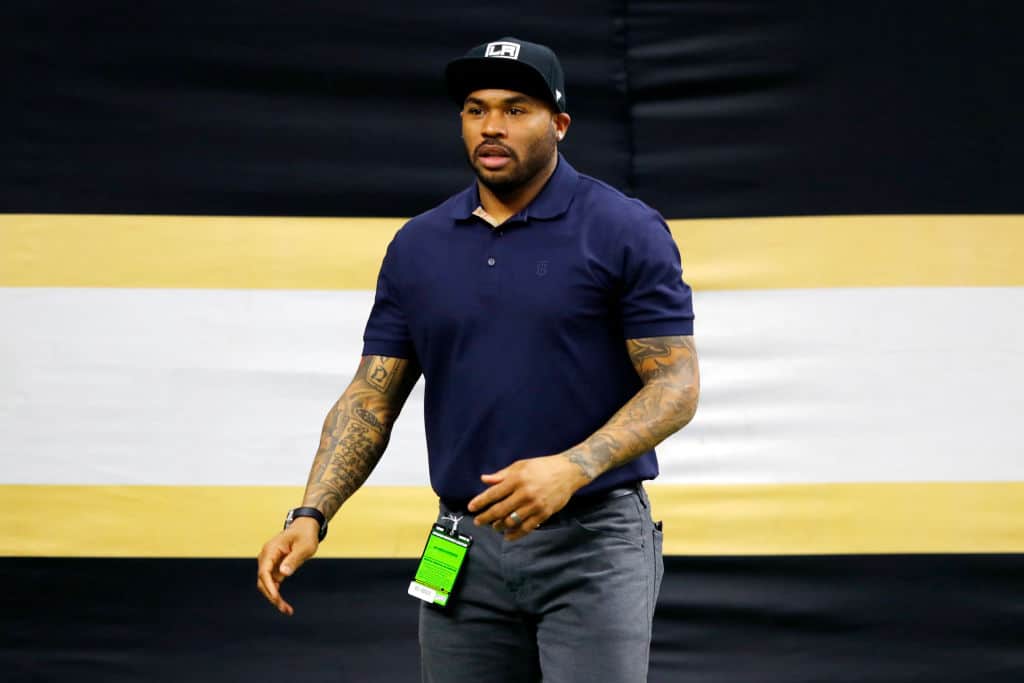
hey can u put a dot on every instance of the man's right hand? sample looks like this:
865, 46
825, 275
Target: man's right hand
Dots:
282, 556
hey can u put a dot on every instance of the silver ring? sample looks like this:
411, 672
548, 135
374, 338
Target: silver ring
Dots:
515, 517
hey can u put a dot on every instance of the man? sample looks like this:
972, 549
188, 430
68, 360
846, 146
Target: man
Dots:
548, 316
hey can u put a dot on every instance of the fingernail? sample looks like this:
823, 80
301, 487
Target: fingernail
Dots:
286, 570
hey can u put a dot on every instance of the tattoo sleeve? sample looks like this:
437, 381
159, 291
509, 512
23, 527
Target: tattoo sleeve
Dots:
357, 429
665, 404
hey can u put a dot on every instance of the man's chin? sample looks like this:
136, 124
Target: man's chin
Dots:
497, 179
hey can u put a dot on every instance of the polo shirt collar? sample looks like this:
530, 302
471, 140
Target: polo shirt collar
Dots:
554, 198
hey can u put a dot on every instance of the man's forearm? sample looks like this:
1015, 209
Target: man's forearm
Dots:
350, 447
356, 432
664, 405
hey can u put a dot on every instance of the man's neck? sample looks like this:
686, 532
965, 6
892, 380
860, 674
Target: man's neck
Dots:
501, 207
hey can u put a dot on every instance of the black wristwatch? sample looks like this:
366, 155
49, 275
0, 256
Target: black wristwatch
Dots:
295, 513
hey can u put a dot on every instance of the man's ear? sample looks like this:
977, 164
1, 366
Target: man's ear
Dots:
561, 123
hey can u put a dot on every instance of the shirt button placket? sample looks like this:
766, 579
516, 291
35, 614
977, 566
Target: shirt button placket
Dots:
491, 286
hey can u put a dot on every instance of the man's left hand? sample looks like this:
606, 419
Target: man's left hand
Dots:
534, 489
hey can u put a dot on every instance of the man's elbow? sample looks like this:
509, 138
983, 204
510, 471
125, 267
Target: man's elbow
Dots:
685, 405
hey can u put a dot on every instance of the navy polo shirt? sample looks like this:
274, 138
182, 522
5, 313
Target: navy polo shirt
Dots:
520, 329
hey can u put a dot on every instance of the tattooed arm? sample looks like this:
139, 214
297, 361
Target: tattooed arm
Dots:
357, 430
354, 436
536, 488
665, 404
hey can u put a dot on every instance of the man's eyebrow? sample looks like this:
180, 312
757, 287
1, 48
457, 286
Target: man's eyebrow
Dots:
515, 99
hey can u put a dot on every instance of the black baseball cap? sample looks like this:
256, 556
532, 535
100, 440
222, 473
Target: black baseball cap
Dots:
510, 64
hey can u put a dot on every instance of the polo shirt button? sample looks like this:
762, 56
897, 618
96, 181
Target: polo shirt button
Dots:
491, 261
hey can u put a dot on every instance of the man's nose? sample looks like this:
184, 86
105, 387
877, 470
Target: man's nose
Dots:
494, 125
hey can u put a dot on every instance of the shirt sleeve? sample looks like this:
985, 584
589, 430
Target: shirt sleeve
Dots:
387, 330
655, 300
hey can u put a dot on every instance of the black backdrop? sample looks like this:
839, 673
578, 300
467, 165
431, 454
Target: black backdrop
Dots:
841, 619
338, 109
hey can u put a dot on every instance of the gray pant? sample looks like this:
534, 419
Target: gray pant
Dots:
571, 602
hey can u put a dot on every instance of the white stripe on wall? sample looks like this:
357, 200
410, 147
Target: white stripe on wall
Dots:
125, 386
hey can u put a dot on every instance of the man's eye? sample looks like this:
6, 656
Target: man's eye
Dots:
516, 111
475, 111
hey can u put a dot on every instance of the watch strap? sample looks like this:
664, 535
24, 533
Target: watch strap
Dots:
295, 513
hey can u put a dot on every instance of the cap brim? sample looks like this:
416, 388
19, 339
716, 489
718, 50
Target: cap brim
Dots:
467, 74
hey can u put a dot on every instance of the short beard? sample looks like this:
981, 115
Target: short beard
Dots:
538, 155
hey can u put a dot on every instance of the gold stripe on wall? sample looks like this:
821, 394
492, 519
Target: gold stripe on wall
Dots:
853, 251
193, 252
41, 250
391, 521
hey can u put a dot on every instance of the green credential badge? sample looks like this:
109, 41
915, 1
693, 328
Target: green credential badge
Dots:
440, 565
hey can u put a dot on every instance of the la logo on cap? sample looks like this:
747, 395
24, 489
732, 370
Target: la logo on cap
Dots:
502, 49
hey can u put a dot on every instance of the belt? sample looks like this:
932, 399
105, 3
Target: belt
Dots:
576, 506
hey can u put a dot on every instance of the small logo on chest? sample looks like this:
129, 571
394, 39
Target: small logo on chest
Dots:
542, 268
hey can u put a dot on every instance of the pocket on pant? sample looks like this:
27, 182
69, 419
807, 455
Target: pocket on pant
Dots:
659, 561
618, 518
